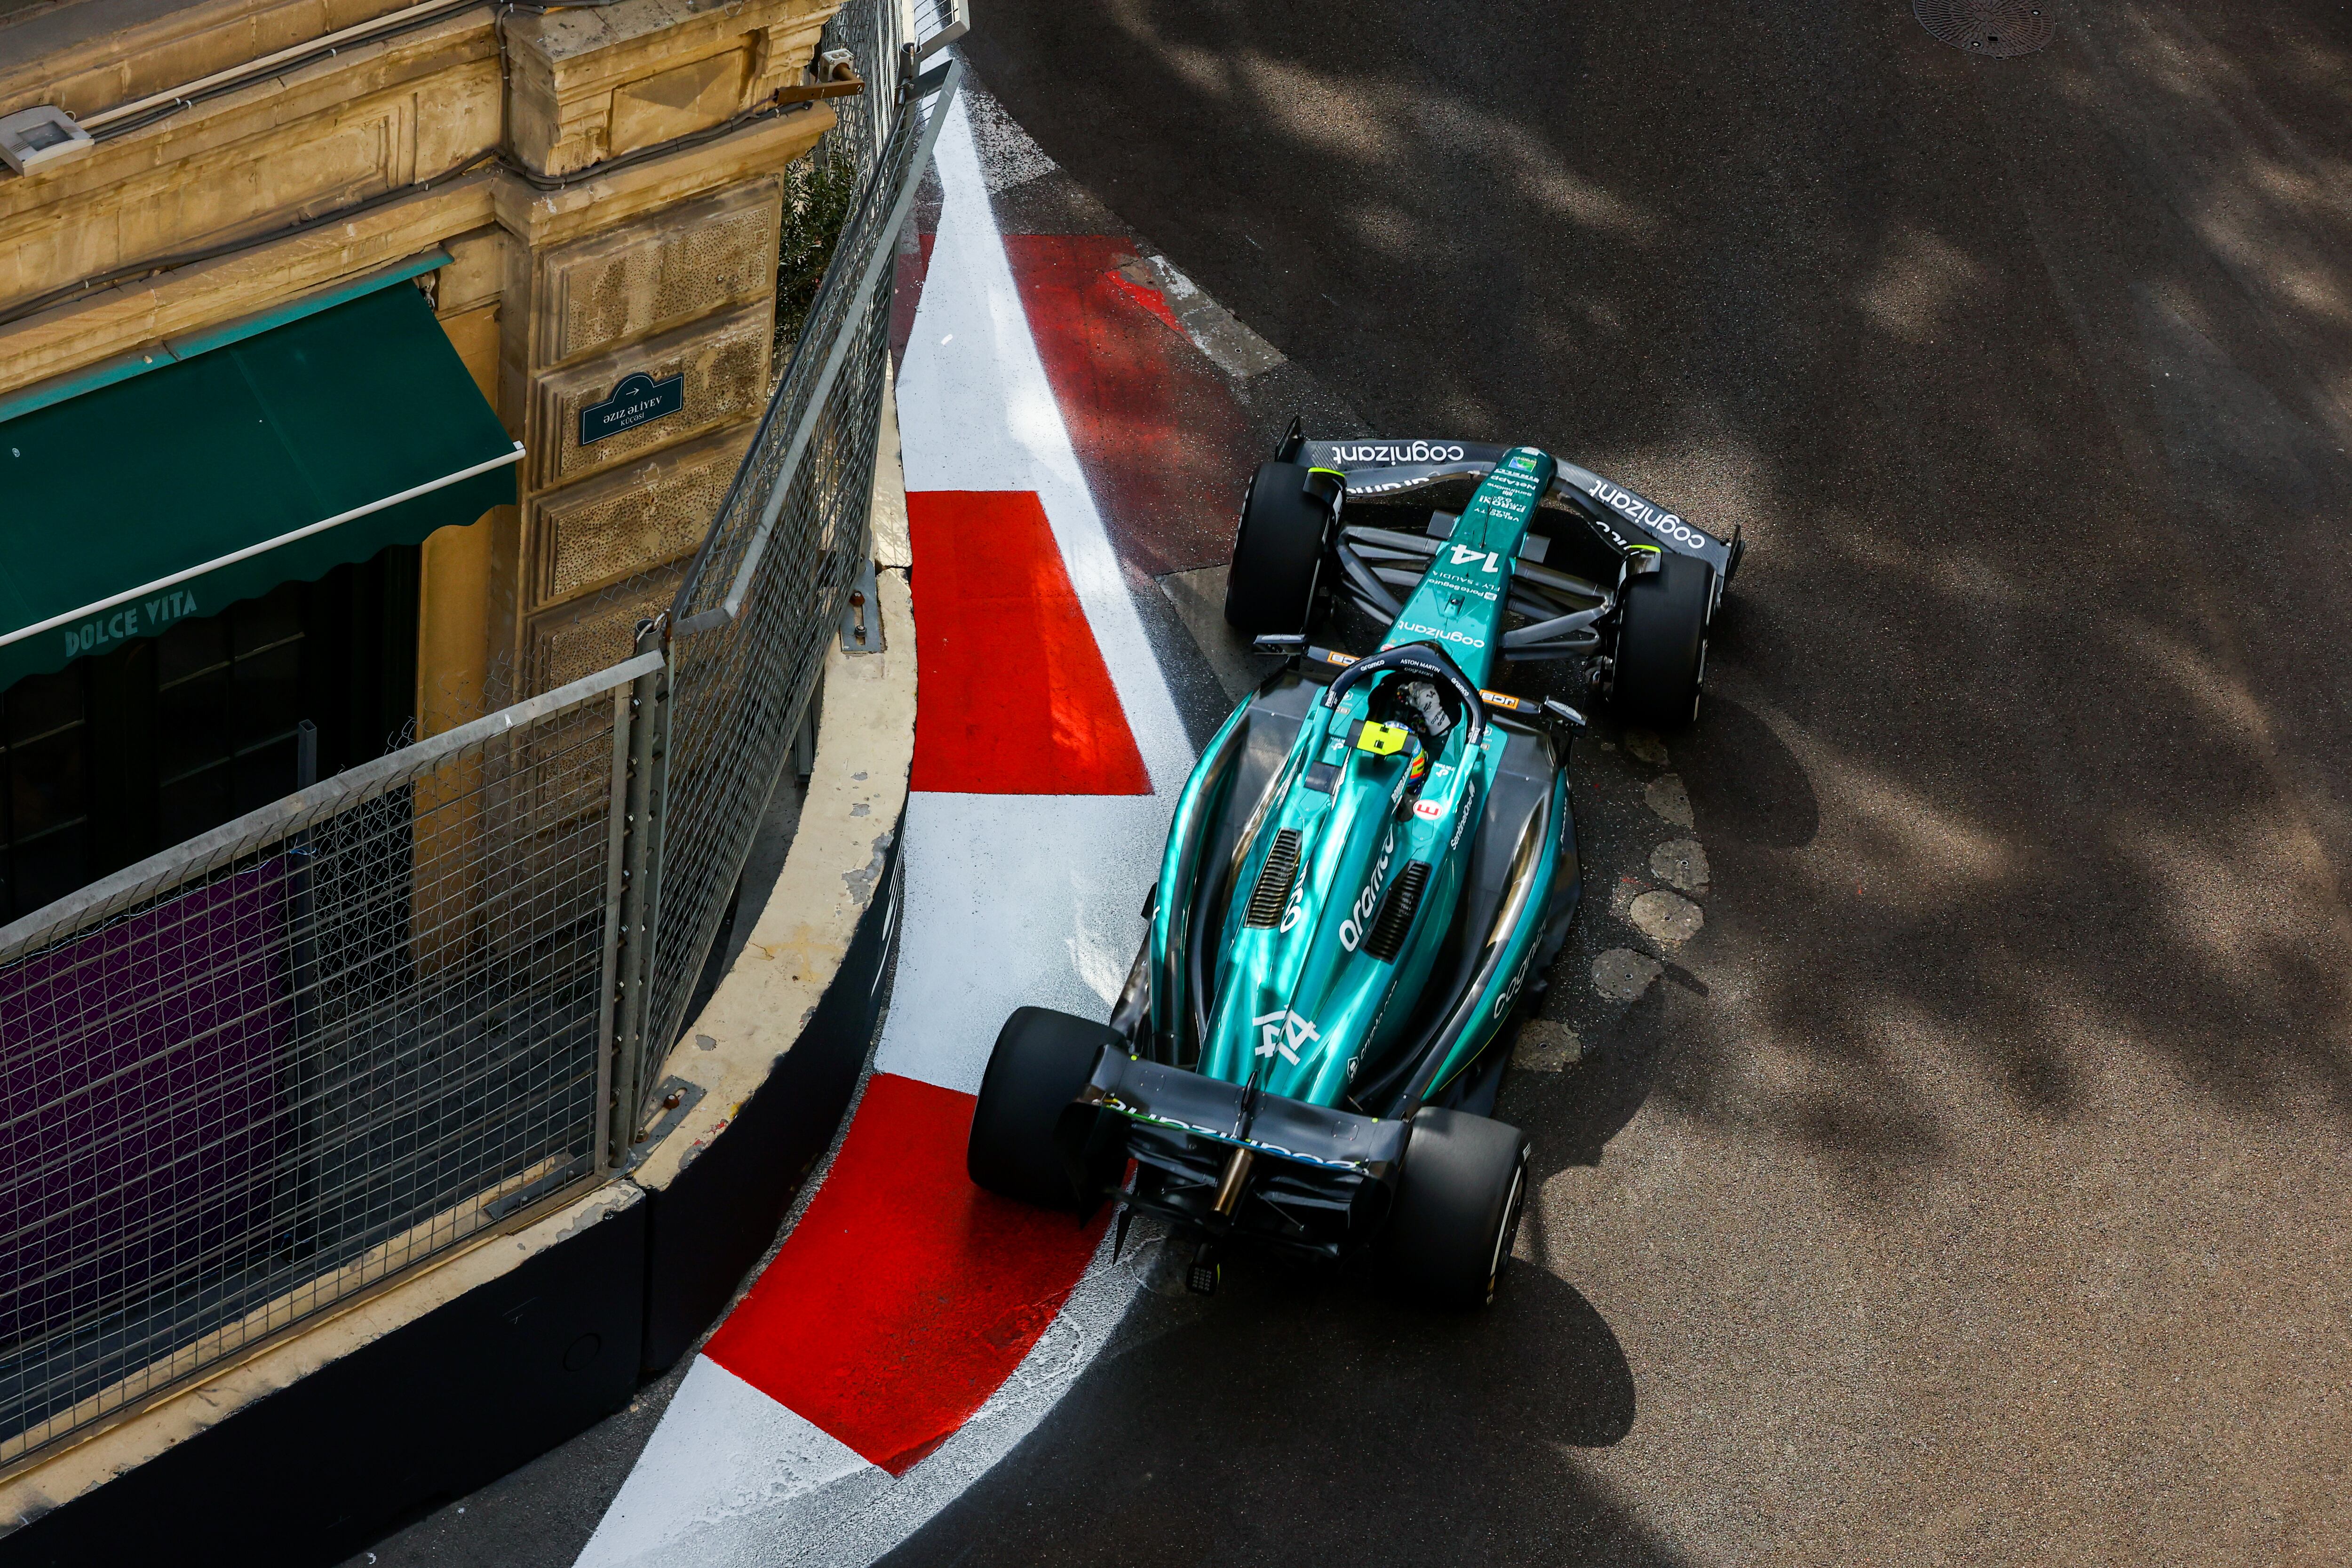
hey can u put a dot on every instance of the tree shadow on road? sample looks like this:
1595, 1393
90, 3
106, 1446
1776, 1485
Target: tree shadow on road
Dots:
2024, 733
2027, 1047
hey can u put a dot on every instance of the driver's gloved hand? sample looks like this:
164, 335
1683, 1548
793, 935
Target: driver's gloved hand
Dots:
1422, 699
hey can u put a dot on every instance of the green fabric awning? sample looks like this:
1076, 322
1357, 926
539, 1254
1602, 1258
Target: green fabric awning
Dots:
215, 479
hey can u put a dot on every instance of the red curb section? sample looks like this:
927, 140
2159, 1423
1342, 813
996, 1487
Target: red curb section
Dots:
1164, 448
906, 1296
1016, 697
1152, 300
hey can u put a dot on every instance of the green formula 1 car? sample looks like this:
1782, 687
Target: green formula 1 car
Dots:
1369, 862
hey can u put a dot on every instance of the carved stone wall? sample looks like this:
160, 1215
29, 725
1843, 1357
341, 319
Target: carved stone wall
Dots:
590, 89
88, 59
655, 512
614, 288
248, 164
584, 637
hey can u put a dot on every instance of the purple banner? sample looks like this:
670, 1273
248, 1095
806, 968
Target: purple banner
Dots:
138, 1077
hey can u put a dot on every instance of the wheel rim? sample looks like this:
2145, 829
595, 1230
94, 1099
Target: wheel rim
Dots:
1509, 1229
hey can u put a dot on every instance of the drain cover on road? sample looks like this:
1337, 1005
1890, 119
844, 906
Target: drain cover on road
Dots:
1999, 28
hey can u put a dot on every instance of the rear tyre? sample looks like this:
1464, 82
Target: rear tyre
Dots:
1040, 1061
1662, 644
1457, 1206
1277, 554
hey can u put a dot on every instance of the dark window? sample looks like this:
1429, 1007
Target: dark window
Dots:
228, 693
48, 809
125, 752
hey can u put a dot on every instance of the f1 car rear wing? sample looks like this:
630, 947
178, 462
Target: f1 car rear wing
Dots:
1626, 519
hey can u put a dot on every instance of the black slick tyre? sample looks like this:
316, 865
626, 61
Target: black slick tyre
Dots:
1040, 1061
1277, 554
1662, 644
1458, 1207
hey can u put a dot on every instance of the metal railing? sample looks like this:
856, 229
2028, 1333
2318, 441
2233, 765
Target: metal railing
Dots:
278, 1062
876, 34
339, 1036
792, 534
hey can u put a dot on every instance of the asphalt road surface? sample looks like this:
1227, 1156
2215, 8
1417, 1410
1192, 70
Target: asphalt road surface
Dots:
1972, 1188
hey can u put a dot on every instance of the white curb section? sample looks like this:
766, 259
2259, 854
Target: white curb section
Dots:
1016, 900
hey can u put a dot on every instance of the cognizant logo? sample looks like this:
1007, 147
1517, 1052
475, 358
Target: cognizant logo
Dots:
1665, 524
1398, 452
1465, 639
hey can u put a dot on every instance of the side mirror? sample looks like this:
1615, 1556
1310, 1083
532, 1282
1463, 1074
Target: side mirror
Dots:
1564, 713
1279, 645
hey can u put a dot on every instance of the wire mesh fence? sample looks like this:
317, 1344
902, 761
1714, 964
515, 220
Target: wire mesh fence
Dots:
874, 36
760, 601
278, 1062
342, 1035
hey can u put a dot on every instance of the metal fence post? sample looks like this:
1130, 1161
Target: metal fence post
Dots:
297, 1200
639, 866
612, 1141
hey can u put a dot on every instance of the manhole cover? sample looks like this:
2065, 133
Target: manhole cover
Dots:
1999, 28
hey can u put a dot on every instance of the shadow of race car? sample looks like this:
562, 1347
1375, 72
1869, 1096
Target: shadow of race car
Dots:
1370, 861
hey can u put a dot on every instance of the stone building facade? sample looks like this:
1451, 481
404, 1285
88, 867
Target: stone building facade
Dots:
590, 198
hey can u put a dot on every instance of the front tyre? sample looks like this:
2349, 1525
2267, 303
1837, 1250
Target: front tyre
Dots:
1040, 1061
1662, 644
1277, 554
1457, 1206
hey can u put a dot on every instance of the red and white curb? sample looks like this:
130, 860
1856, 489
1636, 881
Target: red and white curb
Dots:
911, 1330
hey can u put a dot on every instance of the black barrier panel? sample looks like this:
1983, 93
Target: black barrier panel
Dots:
313, 1473
718, 1215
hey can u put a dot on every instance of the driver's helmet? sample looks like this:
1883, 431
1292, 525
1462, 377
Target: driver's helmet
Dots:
1418, 703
